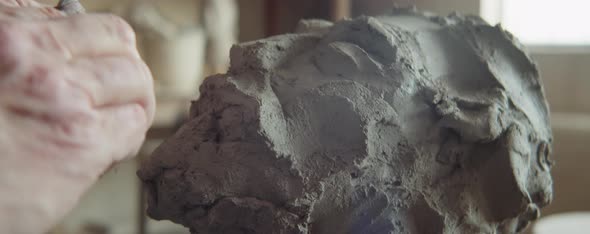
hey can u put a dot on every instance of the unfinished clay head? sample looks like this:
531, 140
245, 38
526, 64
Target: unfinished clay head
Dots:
403, 123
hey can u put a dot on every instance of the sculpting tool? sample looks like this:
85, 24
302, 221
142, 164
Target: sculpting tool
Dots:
70, 7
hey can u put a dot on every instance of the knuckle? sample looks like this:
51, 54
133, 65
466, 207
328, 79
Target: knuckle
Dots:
149, 80
138, 69
44, 72
131, 68
51, 12
10, 29
75, 127
104, 25
12, 45
119, 27
145, 75
11, 3
20, 3
144, 71
44, 82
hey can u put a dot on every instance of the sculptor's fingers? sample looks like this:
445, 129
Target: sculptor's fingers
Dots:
30, 13
20, 3
114, 81
87, 35
124, 128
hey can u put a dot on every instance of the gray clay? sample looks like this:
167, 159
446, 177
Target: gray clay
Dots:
402, 123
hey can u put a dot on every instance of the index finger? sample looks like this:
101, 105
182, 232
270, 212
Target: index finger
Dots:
88, 35
30, 13
20, 3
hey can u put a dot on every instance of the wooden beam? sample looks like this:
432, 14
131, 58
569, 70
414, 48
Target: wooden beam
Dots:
271, 17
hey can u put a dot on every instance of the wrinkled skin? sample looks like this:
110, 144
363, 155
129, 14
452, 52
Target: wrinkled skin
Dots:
401, 123
75, 98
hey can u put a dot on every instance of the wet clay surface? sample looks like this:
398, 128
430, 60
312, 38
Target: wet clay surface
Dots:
402, 123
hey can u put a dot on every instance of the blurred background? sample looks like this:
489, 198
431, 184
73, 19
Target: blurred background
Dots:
184, 41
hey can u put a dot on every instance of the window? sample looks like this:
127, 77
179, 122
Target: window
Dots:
542, 22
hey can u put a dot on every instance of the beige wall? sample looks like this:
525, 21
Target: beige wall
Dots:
443, 7
251, 19
571, 175
566, 77
567, 80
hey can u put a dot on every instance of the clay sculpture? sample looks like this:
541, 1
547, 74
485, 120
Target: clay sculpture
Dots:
402, 123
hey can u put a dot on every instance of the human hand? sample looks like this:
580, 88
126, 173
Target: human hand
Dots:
75, 97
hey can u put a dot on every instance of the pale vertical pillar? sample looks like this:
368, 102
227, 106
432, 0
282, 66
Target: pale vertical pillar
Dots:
340, 9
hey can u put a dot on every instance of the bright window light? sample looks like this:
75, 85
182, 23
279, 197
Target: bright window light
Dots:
542, 22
